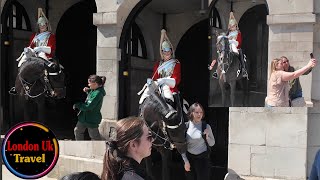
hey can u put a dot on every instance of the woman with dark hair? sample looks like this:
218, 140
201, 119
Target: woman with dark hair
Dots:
124, 154
90, 116
196, 160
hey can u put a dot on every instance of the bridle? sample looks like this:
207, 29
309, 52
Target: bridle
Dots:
226, 54
27, 86
164, 140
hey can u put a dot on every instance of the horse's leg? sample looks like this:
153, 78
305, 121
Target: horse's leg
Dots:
29, 110
165, 154
42, 111
223, 92
244, 87
233, 92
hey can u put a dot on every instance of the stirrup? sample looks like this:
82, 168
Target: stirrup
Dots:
215, 75
238, 72
245, 73
13, 91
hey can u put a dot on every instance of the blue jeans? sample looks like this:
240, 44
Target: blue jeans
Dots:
296, 95
268, 106
315, 171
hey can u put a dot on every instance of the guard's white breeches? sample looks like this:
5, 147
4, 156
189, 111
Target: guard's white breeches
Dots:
167, 92
233, 46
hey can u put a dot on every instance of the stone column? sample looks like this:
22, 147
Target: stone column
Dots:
109, 19
108, 57
292, 33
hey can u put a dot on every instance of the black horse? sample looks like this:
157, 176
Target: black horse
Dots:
38, 79
229, 71
167, 126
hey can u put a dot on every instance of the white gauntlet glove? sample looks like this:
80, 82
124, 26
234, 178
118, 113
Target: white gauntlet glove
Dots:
45, 49
171, 82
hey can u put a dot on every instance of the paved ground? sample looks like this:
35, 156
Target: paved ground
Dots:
7, 175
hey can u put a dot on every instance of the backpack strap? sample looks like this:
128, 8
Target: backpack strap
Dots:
204, 126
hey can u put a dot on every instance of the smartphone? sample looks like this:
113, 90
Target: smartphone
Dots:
311, 56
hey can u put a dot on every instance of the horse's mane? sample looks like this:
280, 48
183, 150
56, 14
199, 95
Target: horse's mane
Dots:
151, 109
33, 63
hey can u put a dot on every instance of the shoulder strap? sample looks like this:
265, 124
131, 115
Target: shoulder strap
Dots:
204, 126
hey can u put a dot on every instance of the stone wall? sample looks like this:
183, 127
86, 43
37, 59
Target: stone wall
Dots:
313, 143
268, 143
79, 156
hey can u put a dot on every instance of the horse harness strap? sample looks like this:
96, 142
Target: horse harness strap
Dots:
164, 139
46, 81
28, 86
176, 126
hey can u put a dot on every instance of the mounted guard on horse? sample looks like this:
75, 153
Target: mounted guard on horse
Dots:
42, 48
161, 106
231, 62
235, 41
163, 88
39, 75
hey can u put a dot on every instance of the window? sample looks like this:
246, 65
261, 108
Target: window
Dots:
20, 18
136, 44
214, 19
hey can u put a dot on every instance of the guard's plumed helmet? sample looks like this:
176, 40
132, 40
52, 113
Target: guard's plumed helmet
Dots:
165, 44
42, 21
232, 21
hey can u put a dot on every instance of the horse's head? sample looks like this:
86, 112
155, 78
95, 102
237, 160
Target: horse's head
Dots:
223, 47
168, 128
154, 119
35, 79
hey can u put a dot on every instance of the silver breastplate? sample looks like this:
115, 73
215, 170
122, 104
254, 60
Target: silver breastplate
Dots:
167, 71
41, 39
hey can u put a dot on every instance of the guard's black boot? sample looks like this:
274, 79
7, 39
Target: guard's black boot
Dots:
13, 91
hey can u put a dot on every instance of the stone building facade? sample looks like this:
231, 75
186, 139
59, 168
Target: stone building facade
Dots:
258, 137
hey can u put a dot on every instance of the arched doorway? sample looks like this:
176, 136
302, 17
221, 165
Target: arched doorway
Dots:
76, 50
193, 53
255, 35
131, 43
16, 31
